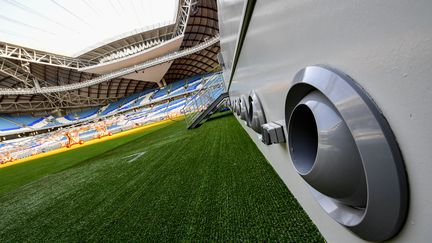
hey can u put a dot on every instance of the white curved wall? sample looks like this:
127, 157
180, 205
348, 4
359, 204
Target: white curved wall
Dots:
386, 46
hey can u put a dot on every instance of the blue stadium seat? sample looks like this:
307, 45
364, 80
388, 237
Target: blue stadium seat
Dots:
160, 93
193, 84
113, 127
89, 132
6, 125
87, 113
176, 104
112, 106
159, 108
53, 123
132, 100
25, 119
71, 117
177, 87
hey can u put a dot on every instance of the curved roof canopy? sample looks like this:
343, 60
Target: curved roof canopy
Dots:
71, 28
201, 26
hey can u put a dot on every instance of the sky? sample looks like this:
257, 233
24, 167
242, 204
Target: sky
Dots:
68, 27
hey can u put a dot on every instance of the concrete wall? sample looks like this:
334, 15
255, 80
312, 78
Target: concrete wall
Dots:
386, 46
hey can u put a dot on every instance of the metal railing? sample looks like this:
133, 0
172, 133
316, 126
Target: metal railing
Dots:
212, 88
134, 48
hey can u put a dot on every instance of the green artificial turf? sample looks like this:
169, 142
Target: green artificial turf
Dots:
166, 184
17, 175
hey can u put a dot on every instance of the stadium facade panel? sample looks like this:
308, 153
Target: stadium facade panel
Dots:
272, 48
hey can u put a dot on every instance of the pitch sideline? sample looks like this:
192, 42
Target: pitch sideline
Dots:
93, 141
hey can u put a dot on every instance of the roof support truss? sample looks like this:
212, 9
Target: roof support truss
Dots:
115, 74
183, 16
30, 55
70, 101
35, 56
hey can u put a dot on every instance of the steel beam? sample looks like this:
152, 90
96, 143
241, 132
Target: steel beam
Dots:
116, 74
35, 56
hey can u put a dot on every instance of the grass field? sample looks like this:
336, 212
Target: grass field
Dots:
163, 184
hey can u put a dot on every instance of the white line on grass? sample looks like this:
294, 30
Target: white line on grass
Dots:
137, 155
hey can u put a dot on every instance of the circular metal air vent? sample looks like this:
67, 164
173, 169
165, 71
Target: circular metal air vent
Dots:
344, 149
255, 116
237, 107
243, 110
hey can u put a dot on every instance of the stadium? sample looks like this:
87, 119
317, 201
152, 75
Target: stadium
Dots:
215, 120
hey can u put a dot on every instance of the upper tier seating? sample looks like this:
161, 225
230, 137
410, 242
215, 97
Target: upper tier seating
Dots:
177, 88
6, 125
26, 120
160, 93
87, 113
177, 104
27, 146
14, 124
193, 83
159, 108
135, 100
112, 106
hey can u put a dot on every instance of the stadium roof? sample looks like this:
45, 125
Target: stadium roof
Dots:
58, 26
201, 26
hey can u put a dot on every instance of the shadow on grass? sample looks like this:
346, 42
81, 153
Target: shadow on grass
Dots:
219, 115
